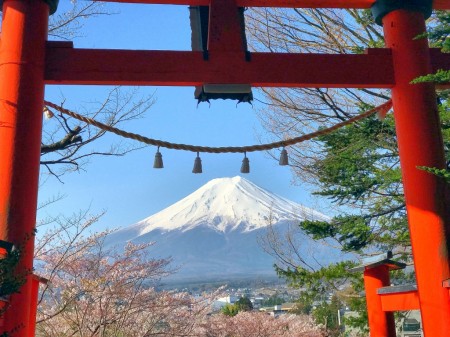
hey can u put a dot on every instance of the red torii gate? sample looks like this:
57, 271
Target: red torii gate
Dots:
28, 62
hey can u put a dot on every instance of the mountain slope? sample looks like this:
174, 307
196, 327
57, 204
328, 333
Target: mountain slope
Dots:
214, 231
226, 204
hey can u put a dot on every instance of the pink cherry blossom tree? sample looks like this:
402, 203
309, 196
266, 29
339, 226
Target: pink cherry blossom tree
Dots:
98, 291
258, 324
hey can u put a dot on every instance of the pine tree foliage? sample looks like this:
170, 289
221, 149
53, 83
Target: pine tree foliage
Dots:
361, 168
244, 304
230, 310
10, 282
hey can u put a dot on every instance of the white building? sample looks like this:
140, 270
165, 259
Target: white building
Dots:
221, 302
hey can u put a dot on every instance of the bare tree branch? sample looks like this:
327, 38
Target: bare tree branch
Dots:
67, 143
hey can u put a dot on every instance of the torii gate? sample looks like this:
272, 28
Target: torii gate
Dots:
28, 62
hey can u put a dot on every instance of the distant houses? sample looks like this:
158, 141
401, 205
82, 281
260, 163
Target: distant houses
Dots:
274, 310
279, 309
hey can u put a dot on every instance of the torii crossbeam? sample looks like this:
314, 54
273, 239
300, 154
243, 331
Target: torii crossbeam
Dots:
28, 62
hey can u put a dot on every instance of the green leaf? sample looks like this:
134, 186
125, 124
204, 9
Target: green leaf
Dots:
442, 173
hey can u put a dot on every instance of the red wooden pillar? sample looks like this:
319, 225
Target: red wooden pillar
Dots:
22, 56
420, 144
381, 323
35, 281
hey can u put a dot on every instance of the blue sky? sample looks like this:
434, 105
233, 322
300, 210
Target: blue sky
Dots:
128, 188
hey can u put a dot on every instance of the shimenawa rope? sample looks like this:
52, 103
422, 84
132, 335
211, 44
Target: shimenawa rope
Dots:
227, 149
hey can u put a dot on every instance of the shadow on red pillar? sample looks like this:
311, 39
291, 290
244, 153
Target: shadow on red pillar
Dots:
420, 144
22, 56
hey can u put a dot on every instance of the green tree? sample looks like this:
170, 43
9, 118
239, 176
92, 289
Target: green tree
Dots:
272, 300
10, 282
230, 310
244, 304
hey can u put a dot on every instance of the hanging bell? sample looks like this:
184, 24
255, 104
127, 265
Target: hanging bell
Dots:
48, 113
245, 167
383, 110
197, 165
158, 163
284, 159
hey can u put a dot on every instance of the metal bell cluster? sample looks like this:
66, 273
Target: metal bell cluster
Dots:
245, 167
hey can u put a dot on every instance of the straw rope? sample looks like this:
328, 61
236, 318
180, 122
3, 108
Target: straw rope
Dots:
383, 108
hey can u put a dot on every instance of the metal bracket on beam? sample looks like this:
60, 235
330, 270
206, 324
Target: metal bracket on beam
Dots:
220, 28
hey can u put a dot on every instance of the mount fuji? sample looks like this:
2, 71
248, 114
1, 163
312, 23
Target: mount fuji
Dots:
213, 233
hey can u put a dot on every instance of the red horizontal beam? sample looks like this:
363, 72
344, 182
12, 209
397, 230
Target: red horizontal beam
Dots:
437, 4
185, 68
400, 301
439, 60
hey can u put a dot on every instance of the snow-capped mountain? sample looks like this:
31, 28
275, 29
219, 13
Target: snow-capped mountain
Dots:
213, 232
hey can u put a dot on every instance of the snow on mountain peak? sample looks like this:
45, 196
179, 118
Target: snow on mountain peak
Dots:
226, 204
